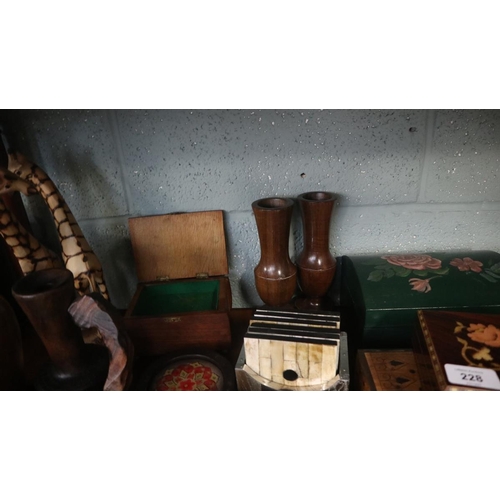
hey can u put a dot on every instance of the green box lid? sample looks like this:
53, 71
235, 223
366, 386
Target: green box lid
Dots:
388, 289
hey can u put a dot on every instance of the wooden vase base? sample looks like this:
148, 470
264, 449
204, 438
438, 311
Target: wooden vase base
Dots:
314, 303
92, 378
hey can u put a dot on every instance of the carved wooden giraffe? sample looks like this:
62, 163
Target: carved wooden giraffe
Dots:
77, 255
29, 253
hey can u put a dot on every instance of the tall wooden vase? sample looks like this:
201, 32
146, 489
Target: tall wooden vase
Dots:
275, 274
316, 265
45, 297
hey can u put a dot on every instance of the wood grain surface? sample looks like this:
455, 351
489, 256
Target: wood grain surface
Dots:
179, 246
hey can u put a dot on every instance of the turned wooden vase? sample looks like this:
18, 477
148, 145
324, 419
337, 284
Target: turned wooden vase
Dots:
45, 297
275, 274
315, 264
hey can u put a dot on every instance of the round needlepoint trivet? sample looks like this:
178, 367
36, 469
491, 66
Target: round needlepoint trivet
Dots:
189, 371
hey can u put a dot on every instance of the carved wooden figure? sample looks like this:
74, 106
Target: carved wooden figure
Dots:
77, 255
30, 254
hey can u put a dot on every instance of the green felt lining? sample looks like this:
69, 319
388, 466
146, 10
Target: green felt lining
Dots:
177, 297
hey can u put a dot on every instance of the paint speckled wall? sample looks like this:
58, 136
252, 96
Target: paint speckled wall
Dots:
406, 181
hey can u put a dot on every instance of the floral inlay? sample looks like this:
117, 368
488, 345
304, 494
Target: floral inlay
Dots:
488, 335
474, 338
467, 264
483, 353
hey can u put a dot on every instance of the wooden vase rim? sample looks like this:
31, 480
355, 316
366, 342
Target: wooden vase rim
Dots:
272, 204
317, 197
45, 281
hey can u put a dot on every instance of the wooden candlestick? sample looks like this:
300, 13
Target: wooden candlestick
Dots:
45, 297
316, 265
275, 274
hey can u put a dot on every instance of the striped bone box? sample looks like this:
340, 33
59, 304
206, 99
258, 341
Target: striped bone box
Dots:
293, 350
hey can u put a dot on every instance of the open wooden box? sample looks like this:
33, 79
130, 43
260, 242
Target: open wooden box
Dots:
184, 297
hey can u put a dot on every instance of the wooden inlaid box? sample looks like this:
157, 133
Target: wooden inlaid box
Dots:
183, 297
387, 370
381, 294
457, 351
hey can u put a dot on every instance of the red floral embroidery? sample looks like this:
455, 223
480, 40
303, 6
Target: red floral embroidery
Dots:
211, 386
186, 385
467, 264
188, 377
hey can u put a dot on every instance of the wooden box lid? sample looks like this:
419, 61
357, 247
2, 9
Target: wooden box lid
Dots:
384, 292
179, 246
409, 282
427, 280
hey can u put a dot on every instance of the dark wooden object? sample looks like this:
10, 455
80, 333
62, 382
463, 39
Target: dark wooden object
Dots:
275, 274
315, 265
187, 251
467, 339
11, 350
45, 297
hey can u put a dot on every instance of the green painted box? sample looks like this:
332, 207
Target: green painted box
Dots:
381, 294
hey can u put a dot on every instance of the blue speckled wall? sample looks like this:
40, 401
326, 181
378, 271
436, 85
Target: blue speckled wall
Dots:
412, 180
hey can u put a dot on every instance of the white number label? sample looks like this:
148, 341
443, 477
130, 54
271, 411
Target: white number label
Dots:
485, 378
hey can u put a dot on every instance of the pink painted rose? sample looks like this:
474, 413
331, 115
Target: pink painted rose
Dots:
489, 335
467, 264
418, 262
421, 285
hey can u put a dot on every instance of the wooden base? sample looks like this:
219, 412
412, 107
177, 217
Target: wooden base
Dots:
314, 304
91, 379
